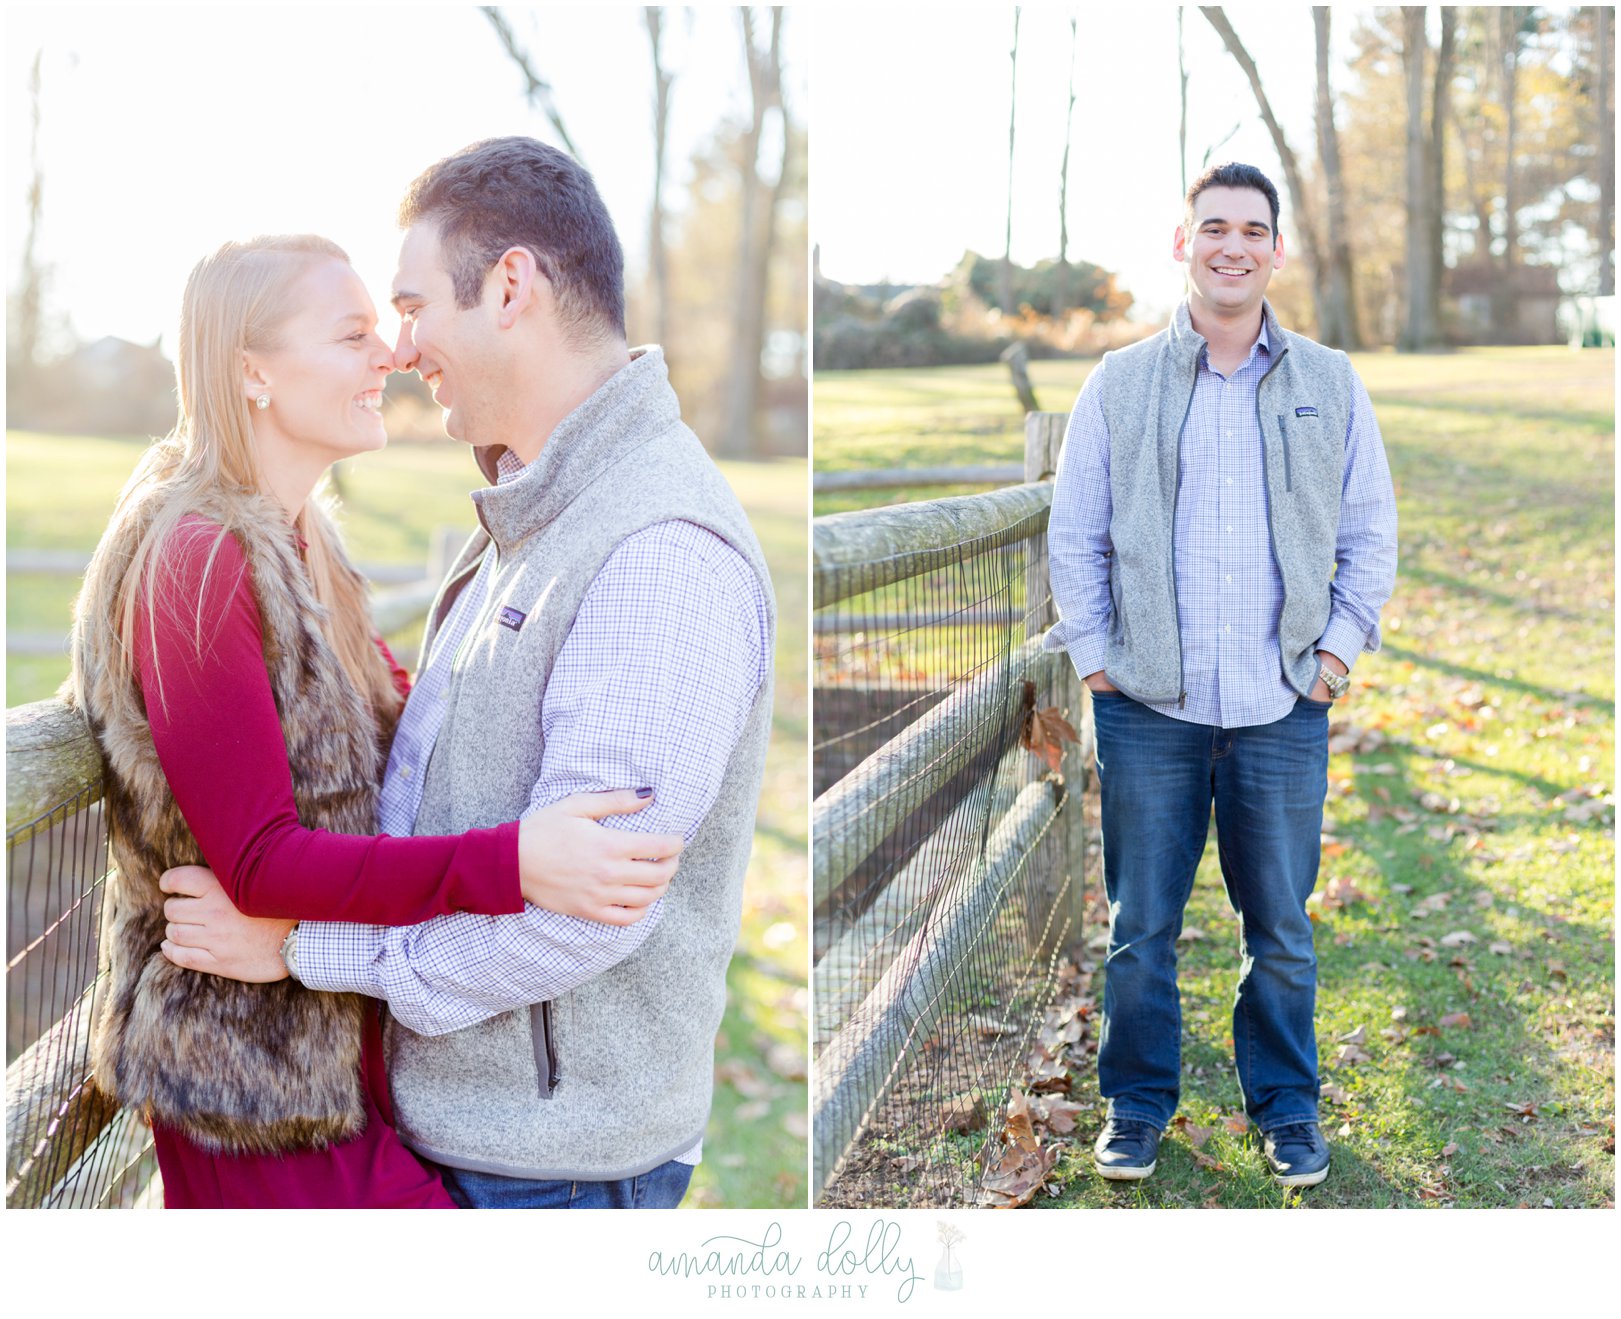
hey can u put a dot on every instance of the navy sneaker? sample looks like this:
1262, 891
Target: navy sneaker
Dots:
1126, 1151
1298, 1154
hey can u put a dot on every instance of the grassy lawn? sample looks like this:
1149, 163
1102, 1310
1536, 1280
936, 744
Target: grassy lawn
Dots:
1465, 912
60, 490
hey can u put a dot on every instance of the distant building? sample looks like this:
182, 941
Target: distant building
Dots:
1490, 305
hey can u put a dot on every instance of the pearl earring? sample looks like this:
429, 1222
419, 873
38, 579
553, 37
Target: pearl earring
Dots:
262, 402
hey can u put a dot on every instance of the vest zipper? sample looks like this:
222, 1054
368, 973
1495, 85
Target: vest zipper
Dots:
1176, 496
1288, 474
1271, 533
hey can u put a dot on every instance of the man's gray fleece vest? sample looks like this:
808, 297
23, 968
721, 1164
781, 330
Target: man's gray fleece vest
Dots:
1303, 404
634, 1046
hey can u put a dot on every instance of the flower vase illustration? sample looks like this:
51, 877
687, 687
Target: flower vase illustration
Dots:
948, 1272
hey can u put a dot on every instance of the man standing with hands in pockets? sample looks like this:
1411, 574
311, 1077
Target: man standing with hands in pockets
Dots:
1223, 537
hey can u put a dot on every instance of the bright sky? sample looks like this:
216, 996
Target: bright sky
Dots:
910, 122
168, 129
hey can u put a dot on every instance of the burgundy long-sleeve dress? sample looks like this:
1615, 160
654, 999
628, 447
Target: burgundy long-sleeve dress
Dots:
220, 742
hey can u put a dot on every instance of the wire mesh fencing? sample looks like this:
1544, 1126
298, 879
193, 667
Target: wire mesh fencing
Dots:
67, 1145
947, 843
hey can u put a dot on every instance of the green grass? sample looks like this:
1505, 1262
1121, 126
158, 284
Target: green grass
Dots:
1494, 696
60, 490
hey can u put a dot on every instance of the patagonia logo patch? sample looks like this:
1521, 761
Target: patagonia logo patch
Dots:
510, 617
1305, 412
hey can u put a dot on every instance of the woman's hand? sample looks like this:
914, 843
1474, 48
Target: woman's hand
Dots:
570, 864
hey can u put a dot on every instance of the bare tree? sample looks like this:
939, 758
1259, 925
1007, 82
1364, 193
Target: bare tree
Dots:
1436, 164
24, 346
1061, 293
1419, 332
1338, 320
1510, 20
1013, 104
756, 237
1182, 122
1305, 218
1605, 24
537, 91
657, 258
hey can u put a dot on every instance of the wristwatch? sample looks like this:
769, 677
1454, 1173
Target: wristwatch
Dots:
289, 951
1337, 683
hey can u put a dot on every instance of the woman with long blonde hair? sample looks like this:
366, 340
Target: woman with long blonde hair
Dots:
224, 655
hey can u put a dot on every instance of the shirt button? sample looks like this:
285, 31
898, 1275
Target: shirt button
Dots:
1228, 434
1229, 529
405, 771
1229, 480
1229, 577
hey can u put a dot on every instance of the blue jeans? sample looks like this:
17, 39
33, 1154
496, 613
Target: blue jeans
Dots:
660, 1189
1159, 777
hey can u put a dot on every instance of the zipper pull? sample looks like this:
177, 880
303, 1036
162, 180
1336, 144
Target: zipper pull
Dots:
1182, 701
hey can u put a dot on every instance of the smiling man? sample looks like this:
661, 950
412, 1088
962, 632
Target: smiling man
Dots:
609, 625
1223, 537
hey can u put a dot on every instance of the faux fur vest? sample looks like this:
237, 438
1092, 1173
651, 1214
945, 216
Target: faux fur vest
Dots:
235, 1067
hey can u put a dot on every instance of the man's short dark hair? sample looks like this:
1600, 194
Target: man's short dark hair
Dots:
1232, 175
509, 192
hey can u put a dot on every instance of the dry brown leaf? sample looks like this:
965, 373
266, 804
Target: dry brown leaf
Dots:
1457, 939
1335, 1094
1449, 1149
1020, 1134
1457, 1019
1189, 934
1349, 1056
1357, 1036
1556, 970
1236, 1123
1044, 731
1055, 1113
1016, 1179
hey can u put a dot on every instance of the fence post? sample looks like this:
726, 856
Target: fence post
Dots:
1043, 441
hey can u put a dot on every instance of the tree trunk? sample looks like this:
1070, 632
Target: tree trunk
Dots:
1061, 293
1504, 300
1338, 324
738, 437
1305, 220
1440, 116
31, 294
657, 257
1605, 25
1415, 46
1182, 121
1006, 290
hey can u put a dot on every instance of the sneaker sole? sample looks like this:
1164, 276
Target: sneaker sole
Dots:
1303, 1179
1125, 1174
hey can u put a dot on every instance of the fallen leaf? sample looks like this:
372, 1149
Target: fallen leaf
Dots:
1197, 1135
1189, 934
1335, 1094
1055, 1113
1457, 939
787, 1061
1357, 1036
1556, 971
1457, 1019
1449, 1149
1398, 1014
1020, 1133
1500, 948
1349, 1055
1238, 1124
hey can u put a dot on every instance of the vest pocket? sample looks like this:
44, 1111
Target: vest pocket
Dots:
1288, 472
546, 1068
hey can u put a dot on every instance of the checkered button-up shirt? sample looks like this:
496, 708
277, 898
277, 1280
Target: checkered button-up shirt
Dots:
664, 659
1228, 591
